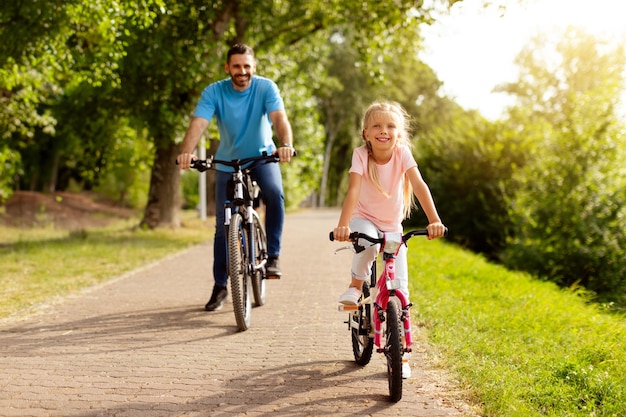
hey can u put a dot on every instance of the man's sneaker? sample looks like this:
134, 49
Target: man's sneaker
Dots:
350, 297
272, 268
217, 298
406, 366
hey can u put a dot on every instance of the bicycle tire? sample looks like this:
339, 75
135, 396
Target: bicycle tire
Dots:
237, 270
260, 253
362, 343
393, 348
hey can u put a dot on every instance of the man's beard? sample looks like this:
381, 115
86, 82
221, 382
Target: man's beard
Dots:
242, 80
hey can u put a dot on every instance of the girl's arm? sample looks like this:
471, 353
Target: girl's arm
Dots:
425, 198
342, 231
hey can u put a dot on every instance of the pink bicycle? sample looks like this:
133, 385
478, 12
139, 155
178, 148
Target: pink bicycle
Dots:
391, 319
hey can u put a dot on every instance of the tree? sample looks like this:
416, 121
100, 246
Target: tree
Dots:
52, 52
569, 213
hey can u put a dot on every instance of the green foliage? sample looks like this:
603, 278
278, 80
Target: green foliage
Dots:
59, 61
469, 165
296, 78
569, 212
191, 196
9, 161
125, 176
522, 347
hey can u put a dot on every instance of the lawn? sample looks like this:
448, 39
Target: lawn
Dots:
521, 346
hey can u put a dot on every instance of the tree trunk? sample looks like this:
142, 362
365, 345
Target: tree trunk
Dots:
330, 140
164, 194
54, 173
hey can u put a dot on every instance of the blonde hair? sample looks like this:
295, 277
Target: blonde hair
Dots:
402, 119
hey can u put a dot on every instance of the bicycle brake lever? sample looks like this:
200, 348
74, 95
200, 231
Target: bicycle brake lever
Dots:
344, 248
358, 248
200, 165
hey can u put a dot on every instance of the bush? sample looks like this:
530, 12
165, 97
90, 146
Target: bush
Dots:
469, 167
190, 194
570, 215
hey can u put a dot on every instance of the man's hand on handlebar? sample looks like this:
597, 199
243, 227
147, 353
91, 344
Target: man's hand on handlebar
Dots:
184, 160
285, 153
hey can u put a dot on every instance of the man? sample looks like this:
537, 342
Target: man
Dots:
246, 107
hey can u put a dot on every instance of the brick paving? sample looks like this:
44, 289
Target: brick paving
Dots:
142, 345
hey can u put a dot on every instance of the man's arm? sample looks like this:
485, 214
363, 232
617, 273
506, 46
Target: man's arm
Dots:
196, 128
285, 136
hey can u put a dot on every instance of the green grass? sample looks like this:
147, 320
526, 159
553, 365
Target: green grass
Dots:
38, 265
521, 347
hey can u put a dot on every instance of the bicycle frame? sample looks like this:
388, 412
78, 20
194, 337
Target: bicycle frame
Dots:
386, 287
244, 193
383, 288
245, 235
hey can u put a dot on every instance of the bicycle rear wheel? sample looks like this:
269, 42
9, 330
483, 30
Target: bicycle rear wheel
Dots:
238, 271
360, 323
260, 253
393, 349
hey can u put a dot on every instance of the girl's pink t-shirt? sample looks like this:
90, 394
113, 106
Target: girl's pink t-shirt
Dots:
385, 212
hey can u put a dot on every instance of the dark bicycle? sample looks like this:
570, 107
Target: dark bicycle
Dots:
245, 234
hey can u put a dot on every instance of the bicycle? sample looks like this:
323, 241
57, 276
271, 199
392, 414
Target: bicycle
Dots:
391, 320
245, 234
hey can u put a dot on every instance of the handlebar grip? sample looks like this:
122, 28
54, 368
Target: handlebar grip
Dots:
445, 232
352, 236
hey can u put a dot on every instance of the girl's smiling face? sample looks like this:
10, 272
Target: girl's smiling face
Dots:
382, 132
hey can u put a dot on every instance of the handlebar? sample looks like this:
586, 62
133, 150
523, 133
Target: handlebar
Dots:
206, 164
358, 235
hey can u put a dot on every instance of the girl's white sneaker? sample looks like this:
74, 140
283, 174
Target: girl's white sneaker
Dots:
350, 297
406, 366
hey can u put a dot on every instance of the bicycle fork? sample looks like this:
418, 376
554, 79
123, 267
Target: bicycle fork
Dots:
379, 318
250, 214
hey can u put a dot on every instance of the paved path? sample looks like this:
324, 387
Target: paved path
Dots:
142, 345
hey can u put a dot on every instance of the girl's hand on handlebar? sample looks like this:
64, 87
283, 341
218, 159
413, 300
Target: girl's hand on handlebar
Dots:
435, 230
342, 233
184, 160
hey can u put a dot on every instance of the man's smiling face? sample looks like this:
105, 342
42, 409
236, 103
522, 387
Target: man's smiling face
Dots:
241, 68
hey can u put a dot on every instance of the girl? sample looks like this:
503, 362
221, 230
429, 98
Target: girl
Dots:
383, 178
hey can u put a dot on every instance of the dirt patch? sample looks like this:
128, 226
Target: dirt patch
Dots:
62, 210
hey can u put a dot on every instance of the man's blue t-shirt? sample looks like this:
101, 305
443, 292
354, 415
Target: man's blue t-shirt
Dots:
242, 117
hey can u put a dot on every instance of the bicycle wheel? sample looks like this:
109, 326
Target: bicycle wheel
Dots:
260, 253
393, 349
238, 271
362, 343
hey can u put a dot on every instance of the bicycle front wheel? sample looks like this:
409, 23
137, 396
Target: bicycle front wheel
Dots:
360, 324
238, 271
260, 253
393, 349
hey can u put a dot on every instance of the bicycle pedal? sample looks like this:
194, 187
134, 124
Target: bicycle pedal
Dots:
343, 307
273, 277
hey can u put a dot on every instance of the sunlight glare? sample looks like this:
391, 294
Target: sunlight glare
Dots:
474, 47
